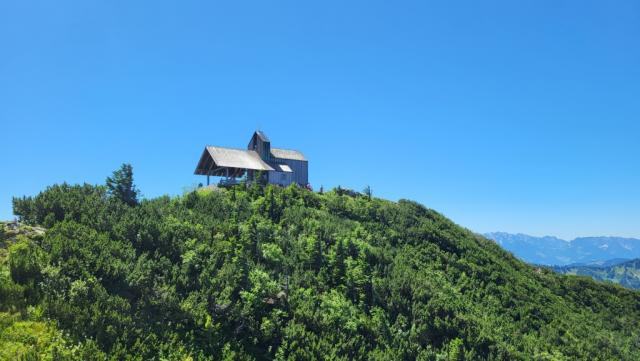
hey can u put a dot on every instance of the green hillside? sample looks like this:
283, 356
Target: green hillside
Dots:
260, 273
626, 273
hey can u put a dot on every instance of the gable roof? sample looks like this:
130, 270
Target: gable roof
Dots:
237, 158
287, 154
262, 136
233, 162
216, 157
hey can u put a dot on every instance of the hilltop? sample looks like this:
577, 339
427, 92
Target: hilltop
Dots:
259, 273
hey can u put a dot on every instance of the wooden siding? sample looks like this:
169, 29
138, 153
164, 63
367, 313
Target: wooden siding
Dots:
300, 170
260, 144
280, 178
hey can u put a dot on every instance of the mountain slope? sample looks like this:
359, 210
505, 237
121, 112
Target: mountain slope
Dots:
286, 274
555, 251
625, 273
24, 335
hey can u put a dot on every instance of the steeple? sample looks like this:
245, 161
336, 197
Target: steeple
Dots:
261, 144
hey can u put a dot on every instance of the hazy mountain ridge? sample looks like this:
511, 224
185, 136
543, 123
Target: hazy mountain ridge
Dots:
553, 251
625, 273
599, 264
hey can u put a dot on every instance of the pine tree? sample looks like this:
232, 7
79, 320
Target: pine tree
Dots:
339, 266
120, 185
367, 192
317, 253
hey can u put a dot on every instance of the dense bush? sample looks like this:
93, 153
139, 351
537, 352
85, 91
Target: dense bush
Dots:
262, 273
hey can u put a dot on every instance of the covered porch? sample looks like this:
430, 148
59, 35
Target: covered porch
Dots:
230, 164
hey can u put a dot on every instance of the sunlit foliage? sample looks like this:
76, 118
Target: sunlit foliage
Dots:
259, 273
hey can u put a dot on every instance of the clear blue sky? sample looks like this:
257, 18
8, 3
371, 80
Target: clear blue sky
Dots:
519, 116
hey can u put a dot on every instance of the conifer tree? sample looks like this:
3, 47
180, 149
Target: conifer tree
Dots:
120, 185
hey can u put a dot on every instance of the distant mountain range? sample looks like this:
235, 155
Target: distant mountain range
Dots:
553, 251
625, 273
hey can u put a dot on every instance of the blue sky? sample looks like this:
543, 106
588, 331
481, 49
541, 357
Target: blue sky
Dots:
505, 116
